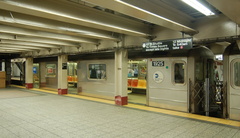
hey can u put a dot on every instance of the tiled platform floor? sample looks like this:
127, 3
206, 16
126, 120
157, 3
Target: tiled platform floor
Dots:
53, 116
14, 93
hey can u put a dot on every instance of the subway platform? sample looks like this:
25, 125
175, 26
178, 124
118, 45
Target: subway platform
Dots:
42, 113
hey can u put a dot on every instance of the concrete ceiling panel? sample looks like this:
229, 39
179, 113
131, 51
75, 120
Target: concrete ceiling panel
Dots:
77, 14
37, 23
41, 34
230, 8
142, 14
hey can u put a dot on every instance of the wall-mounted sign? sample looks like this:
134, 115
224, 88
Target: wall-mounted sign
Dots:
64, 65
34, 70
157, 63
173, 44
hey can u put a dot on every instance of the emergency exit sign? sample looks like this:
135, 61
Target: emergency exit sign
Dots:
165, 45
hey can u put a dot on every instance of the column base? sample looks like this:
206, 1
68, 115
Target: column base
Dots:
121, 100
62, 91
29, 85
79, 89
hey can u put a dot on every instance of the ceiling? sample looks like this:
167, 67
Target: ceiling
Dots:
33, 25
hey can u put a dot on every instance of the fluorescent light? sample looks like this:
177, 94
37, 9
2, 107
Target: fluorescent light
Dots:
219, 57
198, 6
153, 14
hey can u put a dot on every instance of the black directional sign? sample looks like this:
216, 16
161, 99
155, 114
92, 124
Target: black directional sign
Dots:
173, 44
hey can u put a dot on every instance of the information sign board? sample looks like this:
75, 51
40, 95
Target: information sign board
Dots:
64, 65
173, 44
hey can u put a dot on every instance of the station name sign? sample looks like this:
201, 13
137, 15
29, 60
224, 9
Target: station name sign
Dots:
173, 44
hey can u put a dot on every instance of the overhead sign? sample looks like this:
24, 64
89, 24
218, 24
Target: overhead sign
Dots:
173, 44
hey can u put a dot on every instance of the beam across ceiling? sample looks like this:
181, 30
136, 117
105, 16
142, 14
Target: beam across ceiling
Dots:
16, 47
13, 42
10, 49
77, 14
37, 40
4, 51
43, 24
34, 33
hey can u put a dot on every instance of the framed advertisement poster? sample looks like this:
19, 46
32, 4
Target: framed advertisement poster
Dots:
51, 70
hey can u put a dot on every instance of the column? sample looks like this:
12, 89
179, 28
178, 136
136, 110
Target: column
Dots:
121, 61
1, 65
42, 68
29, 73
62, 74
8, 71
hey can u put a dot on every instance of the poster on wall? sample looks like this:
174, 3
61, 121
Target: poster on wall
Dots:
97, 71
51, 70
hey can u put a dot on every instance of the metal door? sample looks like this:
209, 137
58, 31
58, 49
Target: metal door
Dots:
234, 87
163, 91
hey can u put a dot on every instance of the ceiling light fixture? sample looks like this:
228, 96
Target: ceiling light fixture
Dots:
153, 14
198, 6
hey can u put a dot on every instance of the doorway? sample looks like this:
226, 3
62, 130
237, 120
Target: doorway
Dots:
36, 76
206, 94
72, 77
137, 84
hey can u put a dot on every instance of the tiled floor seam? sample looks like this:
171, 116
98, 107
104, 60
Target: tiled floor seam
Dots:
152, 109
